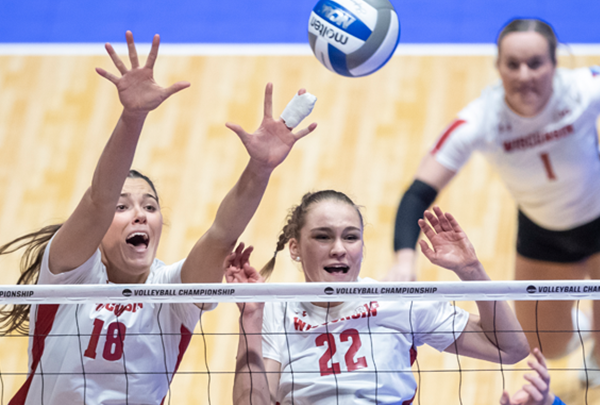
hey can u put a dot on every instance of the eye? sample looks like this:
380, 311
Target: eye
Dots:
151, 208
536, 63
512, 65
121, 207
352, 237
321, 236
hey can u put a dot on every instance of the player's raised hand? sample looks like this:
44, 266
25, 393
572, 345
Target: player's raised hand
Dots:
450, 247
238, 271
272, 141
237, 266
537, 392
138, 92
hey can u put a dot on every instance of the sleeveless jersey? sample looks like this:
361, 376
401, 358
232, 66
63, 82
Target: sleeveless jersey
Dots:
361, 352
549, 162
105, 353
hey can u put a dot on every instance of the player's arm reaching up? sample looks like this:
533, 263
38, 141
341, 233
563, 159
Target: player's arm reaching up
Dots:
267, 147
250, 384
493, 335
81, 234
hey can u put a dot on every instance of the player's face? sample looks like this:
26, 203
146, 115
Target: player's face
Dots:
527, 70
129, 246
331, 243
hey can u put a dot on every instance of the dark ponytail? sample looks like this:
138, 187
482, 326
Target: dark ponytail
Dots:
15, 318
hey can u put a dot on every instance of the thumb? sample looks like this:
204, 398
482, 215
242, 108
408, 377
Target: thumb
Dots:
238, 130
505, 398
174, 88
427, 251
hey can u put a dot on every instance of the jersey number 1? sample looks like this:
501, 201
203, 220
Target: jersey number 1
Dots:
351, 364
113, 348
548, 166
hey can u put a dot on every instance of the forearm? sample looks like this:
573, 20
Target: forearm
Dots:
417, 198
499, 322
250, 383
116, 159
240, 204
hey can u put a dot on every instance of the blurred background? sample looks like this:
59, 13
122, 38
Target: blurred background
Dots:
56, 114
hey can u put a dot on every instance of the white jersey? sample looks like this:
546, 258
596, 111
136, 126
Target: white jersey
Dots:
361, 352
550, 162
104, 353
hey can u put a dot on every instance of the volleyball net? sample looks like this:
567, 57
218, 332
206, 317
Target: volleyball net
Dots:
208, 367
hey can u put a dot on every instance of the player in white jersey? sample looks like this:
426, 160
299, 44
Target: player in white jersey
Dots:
358, 352
537, 128
112, 354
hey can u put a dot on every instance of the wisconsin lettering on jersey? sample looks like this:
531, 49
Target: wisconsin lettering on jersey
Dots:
361, 312
536, 139
119, 309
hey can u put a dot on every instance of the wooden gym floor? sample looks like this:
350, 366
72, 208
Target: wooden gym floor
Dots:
56, 114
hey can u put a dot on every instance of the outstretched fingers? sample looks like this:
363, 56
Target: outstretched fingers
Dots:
153, 52
240, 132
442, 219
303, 132
426, 228
268, 113
245, 256
115, 58
177, 87
133, 56
107, 75
541, 359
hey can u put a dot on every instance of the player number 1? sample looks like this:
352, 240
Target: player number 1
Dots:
548, 166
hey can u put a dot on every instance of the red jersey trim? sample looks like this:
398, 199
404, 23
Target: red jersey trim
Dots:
455, 124
186, 337
43, 325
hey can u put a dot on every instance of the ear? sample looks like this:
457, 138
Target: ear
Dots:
294, 249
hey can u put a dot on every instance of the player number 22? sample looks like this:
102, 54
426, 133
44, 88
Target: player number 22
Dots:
113, 348
327, 339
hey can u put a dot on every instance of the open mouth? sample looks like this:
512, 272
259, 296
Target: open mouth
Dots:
138, 240
337, 269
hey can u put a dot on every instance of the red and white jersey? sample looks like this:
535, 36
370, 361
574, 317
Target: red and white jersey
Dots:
357, 351
104, 353
549, 162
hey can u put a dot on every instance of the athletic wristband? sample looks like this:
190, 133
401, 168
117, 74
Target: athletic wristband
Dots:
298, 109
557, 401
415, 201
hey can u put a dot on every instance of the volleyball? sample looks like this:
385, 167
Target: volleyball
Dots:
353, 37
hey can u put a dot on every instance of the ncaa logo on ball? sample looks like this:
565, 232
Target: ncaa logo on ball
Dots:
353, 37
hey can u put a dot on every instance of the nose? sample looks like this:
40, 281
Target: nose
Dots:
524, 72
338, 249
139, 216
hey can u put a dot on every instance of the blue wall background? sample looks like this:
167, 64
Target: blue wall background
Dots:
276, 21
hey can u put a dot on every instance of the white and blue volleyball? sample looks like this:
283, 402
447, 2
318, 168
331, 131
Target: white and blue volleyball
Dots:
353, 37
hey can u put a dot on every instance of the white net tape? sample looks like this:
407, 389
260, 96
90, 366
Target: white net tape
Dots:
212, 373
299, 292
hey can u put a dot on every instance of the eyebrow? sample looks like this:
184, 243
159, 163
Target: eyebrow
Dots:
147, 195
324, 228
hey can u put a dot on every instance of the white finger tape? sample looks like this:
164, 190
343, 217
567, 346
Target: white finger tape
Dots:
298, 109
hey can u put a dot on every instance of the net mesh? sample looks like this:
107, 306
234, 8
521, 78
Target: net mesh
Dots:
208, 367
